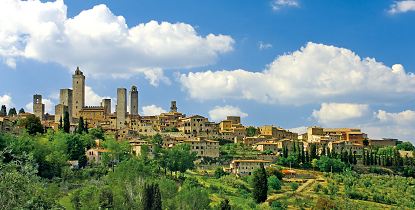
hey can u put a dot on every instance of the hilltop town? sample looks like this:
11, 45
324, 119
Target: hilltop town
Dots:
216, 161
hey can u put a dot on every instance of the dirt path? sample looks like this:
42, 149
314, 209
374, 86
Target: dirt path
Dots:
305, 185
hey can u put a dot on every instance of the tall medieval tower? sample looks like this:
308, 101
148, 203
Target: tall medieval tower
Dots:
121, 108
38, 107
134, 101
78, 93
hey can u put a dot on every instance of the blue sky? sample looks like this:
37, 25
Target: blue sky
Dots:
291, 63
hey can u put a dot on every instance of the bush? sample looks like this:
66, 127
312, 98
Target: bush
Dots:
317, 187
274, 183
276, 205
271, 171
294, 185
219, 172
325, 204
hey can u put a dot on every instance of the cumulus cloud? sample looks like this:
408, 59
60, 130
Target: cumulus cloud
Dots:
330, 113
152, 110
264, 46
221, 112
399, 125
6, 100
49, 106
315, 73
102, 43
92, 98
402, 7
278, 4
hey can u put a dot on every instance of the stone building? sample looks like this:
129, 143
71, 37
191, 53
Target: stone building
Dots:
121, 108
65, 105
134, 101
106, 103
246, 167
93, 115
78, 92
38, 106
193, 126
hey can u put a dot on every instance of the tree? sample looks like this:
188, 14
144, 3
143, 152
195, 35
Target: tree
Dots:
32, 125
106, 198
60, 127
219, 172
86, 127
3, 110
12, 112
406, 146
151, 199
21, 111
66, 123
81, 125
366, 142
224, 205
97, 133
260, 184
330, 164
251, 131
274, 183
157, 139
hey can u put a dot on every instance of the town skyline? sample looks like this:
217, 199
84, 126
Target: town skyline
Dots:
263, 91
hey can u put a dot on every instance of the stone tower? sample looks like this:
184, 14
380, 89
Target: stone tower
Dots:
173, 107
38, 107
121, 108
78, 93
134, 101
65, 99
106, 103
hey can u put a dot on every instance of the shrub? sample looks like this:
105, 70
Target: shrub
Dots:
274, 183
294, 185
317, 187
276, 205
324, 203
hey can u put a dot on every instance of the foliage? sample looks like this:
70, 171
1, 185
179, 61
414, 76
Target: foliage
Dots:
272, 171
251, 131
260, 185
330, 164
32, 124
3, 110
219, 172
294, 186
12, 112
224, 205
274, 183
406, 146
97, 133
66, 123
21, 111
151, 198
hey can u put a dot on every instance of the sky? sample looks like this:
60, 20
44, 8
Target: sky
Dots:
288, 63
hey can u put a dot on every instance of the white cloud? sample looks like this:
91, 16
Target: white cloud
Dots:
101, 43
221, 112
315, 73
264, 46
6, 100
399, 125
402, 7
330, 113
49, 106
152, 110
278, 4
92, 98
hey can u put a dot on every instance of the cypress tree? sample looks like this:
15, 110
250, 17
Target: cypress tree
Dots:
66, 123
81, 126
302, 155
21, 111
350, 156
157, 198
364, 157
307, 157
354, 158
323, 152
224, 205
86, 127
260, 185
3, 110
60, 123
